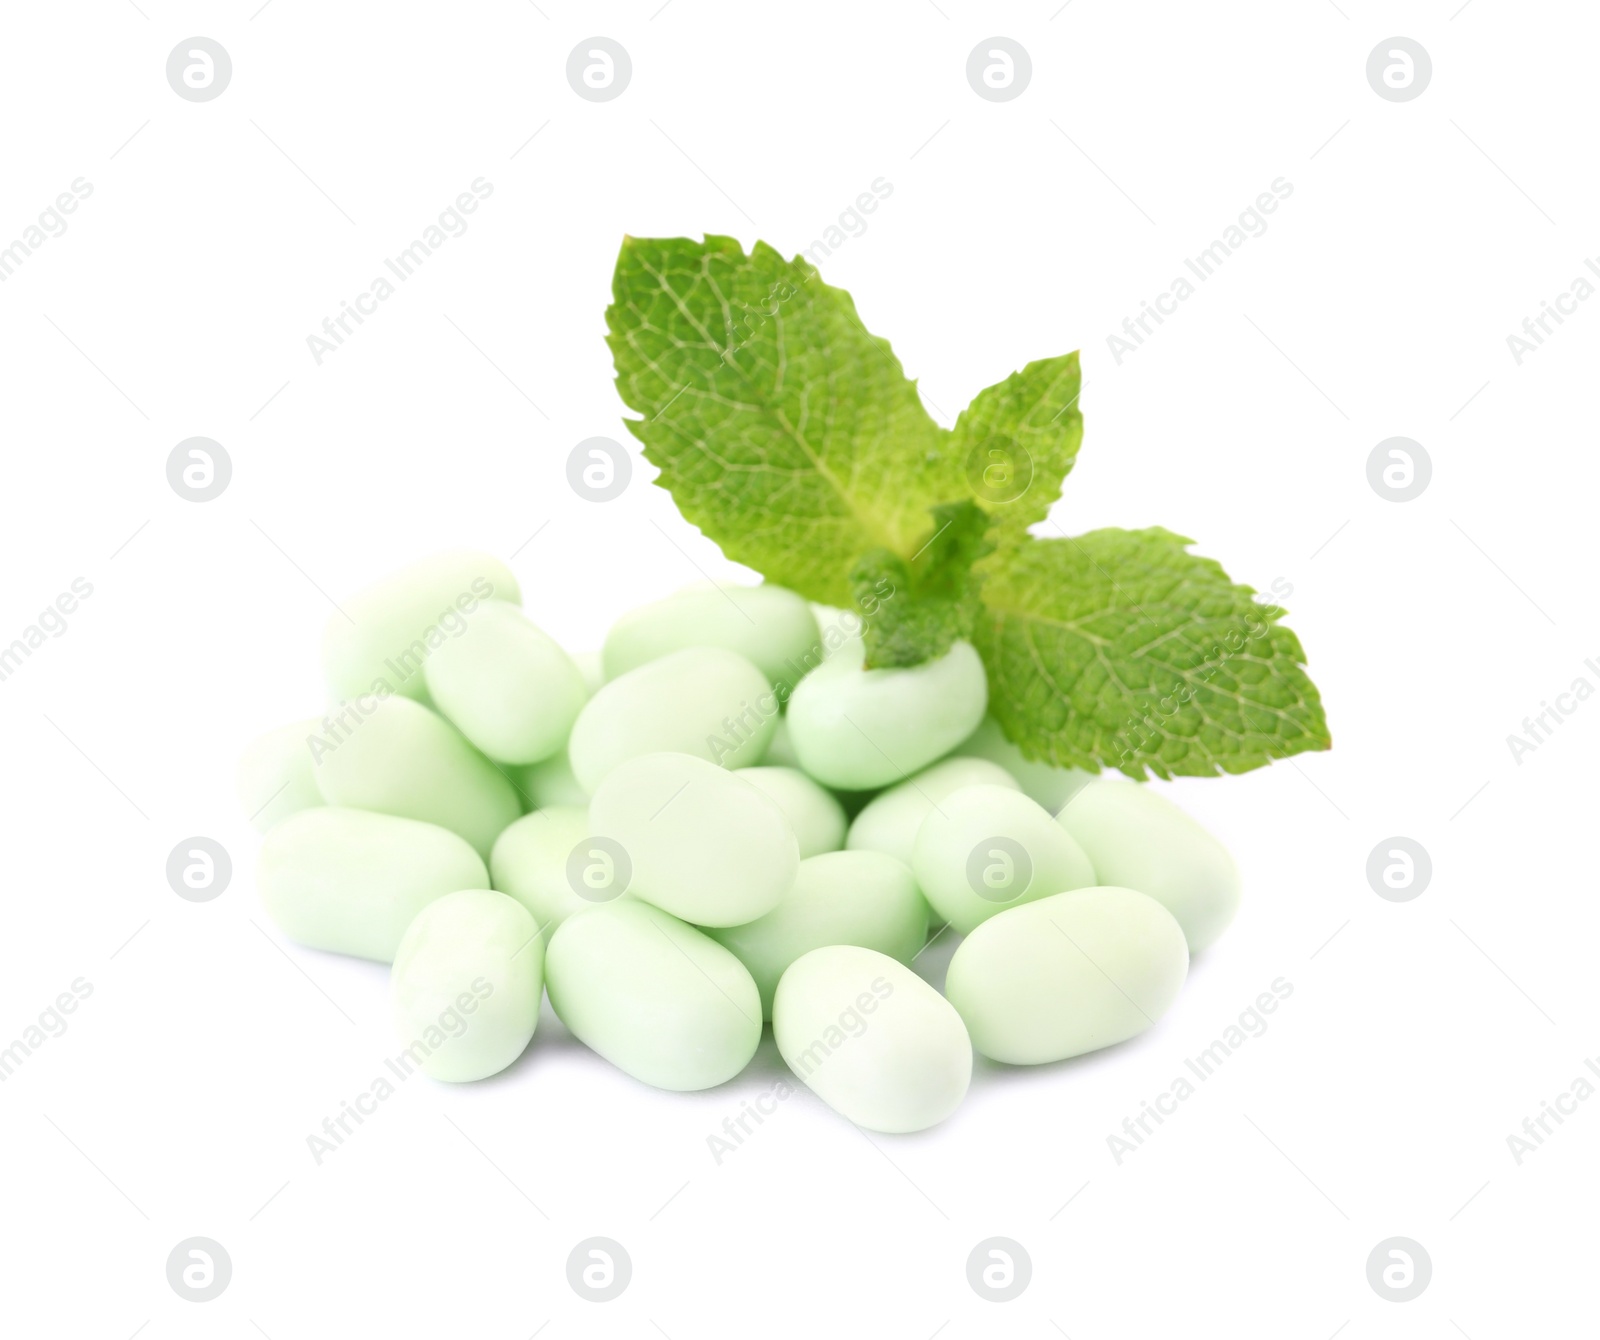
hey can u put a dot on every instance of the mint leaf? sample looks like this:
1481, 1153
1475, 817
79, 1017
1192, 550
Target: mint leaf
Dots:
1118, 648
914, 611
1019, 438
793, 439
784, 430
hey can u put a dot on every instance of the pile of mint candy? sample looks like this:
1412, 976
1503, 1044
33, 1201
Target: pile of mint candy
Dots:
721, 820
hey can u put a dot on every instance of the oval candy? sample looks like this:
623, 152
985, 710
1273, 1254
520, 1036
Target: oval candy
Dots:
700, 842
704, 701
658, 999
507, 685
351, 881
1068, 974
465, 987
870, 1038
856, 729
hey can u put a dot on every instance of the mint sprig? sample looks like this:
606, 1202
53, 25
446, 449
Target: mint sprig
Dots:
916, 608
792, 437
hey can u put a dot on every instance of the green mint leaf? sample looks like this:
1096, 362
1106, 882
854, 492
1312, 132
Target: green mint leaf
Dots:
793, 439
784, 430
914, 611
1120, 649
1018, 440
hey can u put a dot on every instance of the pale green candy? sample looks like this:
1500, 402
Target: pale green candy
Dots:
856, 729
541, 785
401, 758
705, 701
769, 626
1051, 786
276, 777
351, 881
814, 813
507, 685
700, 842
987, 848
871, 1039
1068, 974
839, 898
892, 819
384, 635
465, 987
780, 750
530, 861
656, 998
1140, 839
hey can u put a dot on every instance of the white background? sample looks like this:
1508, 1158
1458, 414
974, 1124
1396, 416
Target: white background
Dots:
1418, 236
